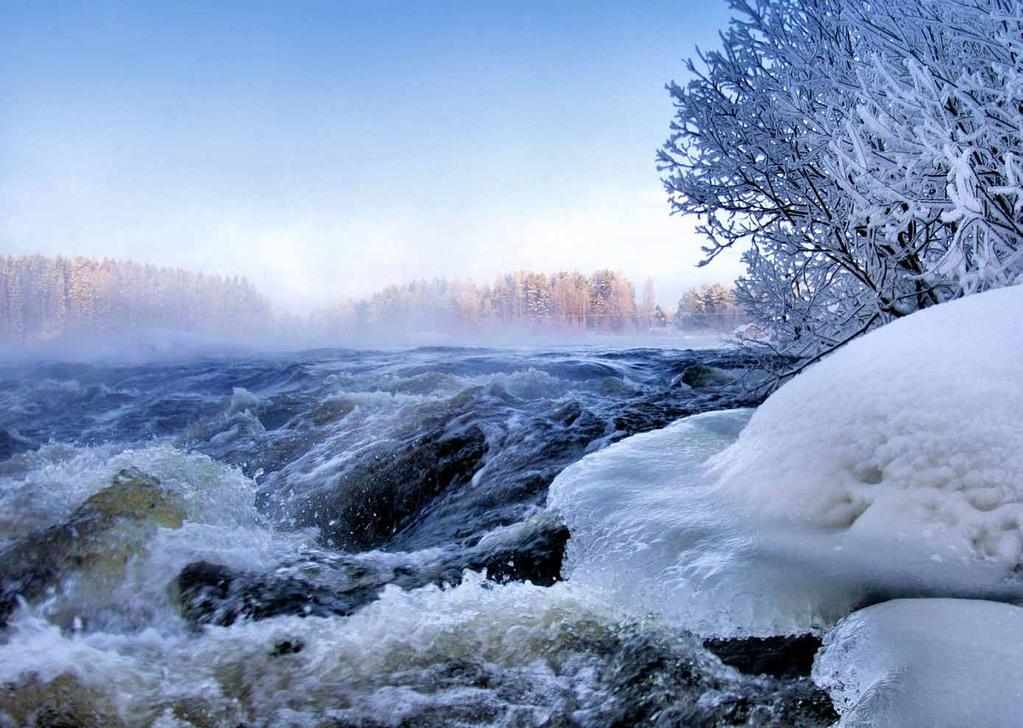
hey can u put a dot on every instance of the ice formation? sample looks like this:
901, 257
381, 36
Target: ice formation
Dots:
941, 663
893, 468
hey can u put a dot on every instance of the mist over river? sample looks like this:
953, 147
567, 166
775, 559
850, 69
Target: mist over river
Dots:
342, 538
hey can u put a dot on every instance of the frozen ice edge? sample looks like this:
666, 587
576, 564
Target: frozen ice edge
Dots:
653, 532
941, 663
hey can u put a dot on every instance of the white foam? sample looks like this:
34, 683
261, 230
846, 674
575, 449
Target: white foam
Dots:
363, 667
221, 525
40, 488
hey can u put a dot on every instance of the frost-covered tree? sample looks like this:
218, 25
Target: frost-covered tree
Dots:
931, 155
521, 300
648, 303
865, 155
709, 306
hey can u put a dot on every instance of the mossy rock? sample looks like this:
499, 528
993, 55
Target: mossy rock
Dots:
698, 376
62, 702
135, 496
331, 410
96, 540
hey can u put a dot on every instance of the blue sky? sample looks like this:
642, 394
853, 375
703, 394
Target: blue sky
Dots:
325, 149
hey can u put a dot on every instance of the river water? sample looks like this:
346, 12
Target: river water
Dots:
358, 539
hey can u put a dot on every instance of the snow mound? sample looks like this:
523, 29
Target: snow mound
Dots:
941, 663
892, 469
910, 432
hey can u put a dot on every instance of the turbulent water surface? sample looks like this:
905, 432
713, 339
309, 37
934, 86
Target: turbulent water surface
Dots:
339, 538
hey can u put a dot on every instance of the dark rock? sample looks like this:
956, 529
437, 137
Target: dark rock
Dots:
215, 594
664, 679
331, 410
287, 647
790, 656
97, 539
698, 376
538, 559
385, 491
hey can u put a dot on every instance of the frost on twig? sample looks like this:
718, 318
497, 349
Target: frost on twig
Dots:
865, 156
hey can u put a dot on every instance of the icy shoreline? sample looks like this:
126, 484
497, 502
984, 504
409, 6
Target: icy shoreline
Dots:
893, 469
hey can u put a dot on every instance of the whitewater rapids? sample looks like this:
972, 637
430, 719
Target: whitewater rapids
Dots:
360, 539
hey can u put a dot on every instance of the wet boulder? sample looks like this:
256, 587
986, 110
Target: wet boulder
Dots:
661, 677
331, 410
535, 556
214, 594
98, 538
700, 376
386, 489
62, 702
789, 656
339, 584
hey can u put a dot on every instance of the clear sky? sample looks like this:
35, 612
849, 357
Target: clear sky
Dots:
325, 149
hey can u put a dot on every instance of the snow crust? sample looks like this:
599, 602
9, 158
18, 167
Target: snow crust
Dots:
892, 469
911, 432
940, 663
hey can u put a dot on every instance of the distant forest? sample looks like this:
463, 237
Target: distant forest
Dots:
604, 302
45, 298
55, 297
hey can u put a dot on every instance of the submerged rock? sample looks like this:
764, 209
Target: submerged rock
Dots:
662, 679
699, 376
215, 594
11, 443
62, 702
383, 492
340, 584
98, 538
536, 559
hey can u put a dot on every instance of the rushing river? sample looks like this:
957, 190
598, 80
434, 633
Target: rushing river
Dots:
341, 538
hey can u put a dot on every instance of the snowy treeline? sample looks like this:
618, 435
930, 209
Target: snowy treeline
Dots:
48, 298
711, 306
604, 301
868, 155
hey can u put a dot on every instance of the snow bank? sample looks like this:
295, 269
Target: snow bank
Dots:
941, 663
894, 468
911, 432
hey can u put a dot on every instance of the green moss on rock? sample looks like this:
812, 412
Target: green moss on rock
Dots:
96, 540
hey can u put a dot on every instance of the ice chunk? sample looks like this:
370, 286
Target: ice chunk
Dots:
926, 662
894, 468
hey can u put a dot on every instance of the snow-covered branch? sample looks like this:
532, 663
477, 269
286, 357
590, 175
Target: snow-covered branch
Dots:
866, 157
